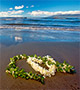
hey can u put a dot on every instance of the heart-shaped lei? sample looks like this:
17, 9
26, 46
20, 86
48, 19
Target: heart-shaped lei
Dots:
44, 66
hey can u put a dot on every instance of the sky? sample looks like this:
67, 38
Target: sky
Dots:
38, 8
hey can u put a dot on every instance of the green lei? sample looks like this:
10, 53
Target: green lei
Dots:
14, 70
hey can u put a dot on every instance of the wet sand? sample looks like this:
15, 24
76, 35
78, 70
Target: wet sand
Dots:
59, 51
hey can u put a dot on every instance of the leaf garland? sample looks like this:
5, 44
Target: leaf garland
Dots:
14, 70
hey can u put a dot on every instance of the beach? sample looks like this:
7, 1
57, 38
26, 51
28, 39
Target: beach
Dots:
30, 32
60, 51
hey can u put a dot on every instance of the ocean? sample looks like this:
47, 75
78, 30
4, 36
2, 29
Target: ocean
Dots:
14, 30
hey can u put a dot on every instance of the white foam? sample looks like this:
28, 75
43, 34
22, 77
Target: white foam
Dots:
35, 28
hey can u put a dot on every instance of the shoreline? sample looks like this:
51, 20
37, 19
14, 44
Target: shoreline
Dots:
60, 51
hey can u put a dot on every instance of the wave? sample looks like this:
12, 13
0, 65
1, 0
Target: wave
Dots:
53, 25
24, 24
42, 20
69, 21
37, 28
72, 18
8, 19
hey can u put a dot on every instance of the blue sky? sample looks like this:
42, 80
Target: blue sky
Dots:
35, 8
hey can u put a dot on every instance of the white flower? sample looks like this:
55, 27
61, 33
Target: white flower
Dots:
22, 56
12, 72
64, 71
17, 57
69, 65
64, 66
7, 71
34, 62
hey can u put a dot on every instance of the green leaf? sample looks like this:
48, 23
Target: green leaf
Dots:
15, 58
30, 72
64, 61
25, 56
27, 77
39, 57
35, 56
42, 80
31, 55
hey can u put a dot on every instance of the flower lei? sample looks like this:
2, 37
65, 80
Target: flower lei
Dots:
44, 66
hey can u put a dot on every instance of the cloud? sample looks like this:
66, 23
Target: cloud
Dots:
3, 14
32, 6
19, 7
10, 8
11, 13
46, 13
16, 12
15, 16
27, 7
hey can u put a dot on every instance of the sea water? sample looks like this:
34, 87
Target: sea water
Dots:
14, 30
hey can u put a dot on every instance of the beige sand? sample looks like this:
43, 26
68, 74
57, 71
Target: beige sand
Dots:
59, 51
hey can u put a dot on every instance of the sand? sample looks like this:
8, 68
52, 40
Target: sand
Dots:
68, 51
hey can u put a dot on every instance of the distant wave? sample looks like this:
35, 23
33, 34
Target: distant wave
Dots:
72, 18
55, 25
8, 19
23, 24
69, 21
43, 20
35, 20
37, 28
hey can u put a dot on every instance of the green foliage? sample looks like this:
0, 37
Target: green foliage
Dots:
50, 63
16, 72
31, 55
39, 57
15, 58
64, 67
25, 56
44, 59
35, 56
